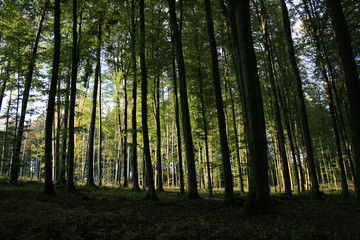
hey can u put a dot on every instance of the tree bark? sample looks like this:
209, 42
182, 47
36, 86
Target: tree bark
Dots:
227, 173
258, 199
144, 109
301, 105
70, 187
90, 158
189, 146
177, 121
15, 165
349, 69
49, 187
134, 97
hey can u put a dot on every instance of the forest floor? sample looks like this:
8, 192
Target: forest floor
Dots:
115, 213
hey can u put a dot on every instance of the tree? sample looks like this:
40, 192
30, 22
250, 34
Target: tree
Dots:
15, 164
144, 112
49, 187
186, 125
258, 198
278, 125
301, 105
227, 175
74, 69
351, 77
134, 97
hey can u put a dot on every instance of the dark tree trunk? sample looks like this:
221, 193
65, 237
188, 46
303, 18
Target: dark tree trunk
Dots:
344, 185
349, 69
49, 187
100, 137
278, 125
177, 122
159, 179
237, 145
227, 174
144, 111
90, 158
258, 199
74, 69
15, 164
301, 105
63, 157
193, 191
134, 96
125, 147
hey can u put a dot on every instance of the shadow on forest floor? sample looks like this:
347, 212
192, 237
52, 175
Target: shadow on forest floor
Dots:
116, 213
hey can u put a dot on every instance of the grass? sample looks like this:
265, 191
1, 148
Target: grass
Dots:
117, 213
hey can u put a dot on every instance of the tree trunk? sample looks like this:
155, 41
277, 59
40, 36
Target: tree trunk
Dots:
349, 69
158, 134
125, 131
227, 173
15, 165
70, 187
134, 96
278, 125
301, 105
144, 111
258, 199
100, 160
49, 187
90, 158
192, 183
177, 121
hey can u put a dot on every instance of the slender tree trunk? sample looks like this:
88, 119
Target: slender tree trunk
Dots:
64, 156
100, 160
74, 69
227, 173
344, 185
193, 191
90, 158
134, 96
49, 187
237, 145
15, 165
258, 199
301, 105
144, 111
177, 122
125, 147
278, 125
158, 134
349, 69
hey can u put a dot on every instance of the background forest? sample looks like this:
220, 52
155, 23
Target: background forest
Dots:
181, 95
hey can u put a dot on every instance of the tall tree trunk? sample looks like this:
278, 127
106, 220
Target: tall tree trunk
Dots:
64, 156
349, 69
237, 145
15, 165
49, 187
315, 32
301, 105
258, 199
158, 134
144, 111
100, 160
90, 157
278, 125
134, 96
70, 187
177, 121
125, 130
227, 174
193, 191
